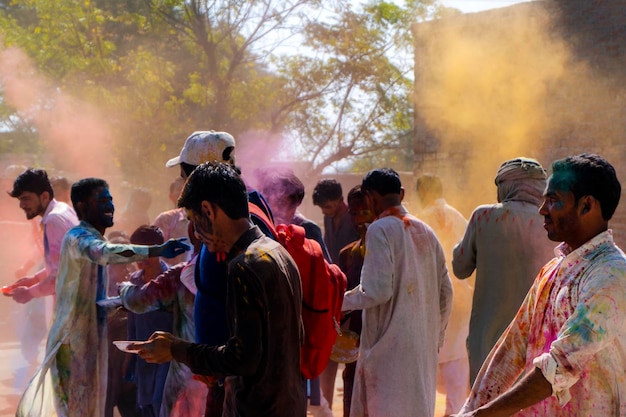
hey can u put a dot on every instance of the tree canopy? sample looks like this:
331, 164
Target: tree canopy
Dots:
156, 70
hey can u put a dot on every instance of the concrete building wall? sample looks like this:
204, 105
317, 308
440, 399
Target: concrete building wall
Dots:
579, 104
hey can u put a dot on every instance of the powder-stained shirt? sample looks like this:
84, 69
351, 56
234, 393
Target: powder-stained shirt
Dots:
571, 326
149, 377
182, 395
210, 276
507, 246
261, 359
406, 296
77, 346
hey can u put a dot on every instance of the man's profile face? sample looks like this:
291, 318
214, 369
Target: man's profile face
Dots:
32, 204
561, 212
330, 208
360, 214
204, 230
99, 208
374, 202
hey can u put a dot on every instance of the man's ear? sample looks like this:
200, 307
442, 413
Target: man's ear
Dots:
206, 208
401, 193
209, 209
81, 208
45, 196
587, 203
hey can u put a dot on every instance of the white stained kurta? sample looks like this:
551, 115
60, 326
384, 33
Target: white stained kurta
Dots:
406, 295
77, 329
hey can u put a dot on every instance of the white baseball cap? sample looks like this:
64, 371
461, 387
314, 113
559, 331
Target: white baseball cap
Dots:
205, 146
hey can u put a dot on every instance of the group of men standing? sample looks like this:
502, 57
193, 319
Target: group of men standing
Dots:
561, 355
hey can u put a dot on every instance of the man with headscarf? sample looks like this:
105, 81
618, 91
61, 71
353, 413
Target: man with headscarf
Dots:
563, 354
506, 244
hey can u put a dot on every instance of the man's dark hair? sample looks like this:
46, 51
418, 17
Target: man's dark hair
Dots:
83, 189
327, 190
188, 168
355, 194
218, 183
592, 175
32, 180
283, 183
383, 180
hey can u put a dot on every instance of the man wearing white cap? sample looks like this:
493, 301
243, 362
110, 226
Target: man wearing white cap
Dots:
506, 244
211, 269
204, 146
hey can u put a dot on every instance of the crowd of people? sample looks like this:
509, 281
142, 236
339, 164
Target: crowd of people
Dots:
517, 311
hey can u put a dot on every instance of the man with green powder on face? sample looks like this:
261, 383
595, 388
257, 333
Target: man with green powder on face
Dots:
564, 353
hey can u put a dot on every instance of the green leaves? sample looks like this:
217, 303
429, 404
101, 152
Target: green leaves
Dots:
159, 69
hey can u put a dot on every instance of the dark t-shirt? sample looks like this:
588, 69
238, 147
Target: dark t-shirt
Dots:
337, 239
261, 358
210, 276
351, 262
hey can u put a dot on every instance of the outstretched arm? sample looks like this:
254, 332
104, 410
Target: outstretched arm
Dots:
170, 249
531, 389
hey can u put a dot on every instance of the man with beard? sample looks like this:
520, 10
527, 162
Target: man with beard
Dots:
36, 197
563, 354
34, 191
72, 378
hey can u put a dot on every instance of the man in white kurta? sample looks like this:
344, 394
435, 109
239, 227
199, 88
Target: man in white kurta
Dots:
405, 294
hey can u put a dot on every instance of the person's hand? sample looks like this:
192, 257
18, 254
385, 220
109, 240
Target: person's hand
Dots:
25, 282
157, 349
21, 295
174, 247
